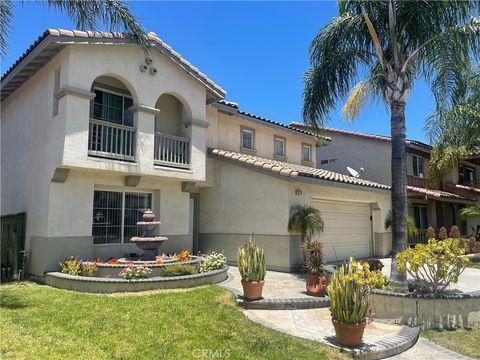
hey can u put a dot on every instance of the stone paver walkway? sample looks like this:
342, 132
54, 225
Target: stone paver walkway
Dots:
426, 350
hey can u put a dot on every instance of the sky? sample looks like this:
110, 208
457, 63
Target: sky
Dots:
256, 51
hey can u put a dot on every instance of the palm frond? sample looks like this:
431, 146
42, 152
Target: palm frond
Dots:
411, 227
6, 20
88, 15
358, 97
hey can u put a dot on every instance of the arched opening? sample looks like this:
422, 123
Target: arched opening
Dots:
111, 131
172, 146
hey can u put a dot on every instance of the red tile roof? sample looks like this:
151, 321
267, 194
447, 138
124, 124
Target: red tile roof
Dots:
290, 170
436, 194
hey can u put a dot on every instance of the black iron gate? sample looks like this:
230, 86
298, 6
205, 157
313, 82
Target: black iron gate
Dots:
13, 241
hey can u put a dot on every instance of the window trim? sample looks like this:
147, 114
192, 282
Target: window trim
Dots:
284, 141
423, 173
113, 92
469, 168
425, 206
310, 147
122, 226
247, 129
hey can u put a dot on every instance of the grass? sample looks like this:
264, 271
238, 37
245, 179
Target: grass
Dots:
40, 322
463, 341
474, 262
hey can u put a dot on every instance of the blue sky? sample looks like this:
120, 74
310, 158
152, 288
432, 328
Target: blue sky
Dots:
257, 51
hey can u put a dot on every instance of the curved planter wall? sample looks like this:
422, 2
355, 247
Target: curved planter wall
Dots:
106, 270
440, 312
113, 285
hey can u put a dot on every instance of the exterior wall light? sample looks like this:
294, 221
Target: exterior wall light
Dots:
298, 192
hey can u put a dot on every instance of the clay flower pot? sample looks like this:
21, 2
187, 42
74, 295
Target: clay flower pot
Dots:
316, 285
349, 334
252, 290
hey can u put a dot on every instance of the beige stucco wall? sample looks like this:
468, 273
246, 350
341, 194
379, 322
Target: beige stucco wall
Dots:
356, 152
228, 137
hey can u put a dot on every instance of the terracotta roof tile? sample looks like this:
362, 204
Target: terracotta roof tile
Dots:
290, 170
435, 193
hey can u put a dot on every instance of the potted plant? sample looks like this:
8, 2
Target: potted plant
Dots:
348, 292
316, 280
252, 268
307, 221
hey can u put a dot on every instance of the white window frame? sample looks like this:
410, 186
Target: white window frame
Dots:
123, 191
309, 147
252, 132
113, 92
284, 146
421, 174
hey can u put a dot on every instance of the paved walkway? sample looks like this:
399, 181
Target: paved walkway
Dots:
426, 350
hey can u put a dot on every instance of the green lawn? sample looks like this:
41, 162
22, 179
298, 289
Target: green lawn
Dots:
474, 262
462, 341
40, 322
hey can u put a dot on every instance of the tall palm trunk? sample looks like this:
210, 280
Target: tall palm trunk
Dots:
399, 190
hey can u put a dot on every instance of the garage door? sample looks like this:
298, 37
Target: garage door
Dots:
347, 229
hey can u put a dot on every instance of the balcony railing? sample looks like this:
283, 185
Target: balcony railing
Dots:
172, 151
111, 140
419, 238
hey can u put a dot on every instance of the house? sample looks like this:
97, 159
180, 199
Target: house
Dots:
94, 131
430, 204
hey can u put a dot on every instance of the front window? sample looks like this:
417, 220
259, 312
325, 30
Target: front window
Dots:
307, 153
247, 139
112, 107
418, 166
420, 216
116, 213
466, 175
279, 145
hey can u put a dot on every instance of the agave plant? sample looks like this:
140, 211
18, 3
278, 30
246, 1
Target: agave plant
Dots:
251, 261
315, 257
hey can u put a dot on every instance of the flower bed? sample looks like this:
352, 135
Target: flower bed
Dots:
112, 285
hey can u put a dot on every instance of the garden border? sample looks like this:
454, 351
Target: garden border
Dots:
115, 285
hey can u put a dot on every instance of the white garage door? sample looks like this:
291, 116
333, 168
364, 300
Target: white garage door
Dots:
347, 229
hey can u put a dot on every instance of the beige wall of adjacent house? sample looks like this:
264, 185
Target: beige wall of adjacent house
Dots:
356, 152
244, 201
228, 137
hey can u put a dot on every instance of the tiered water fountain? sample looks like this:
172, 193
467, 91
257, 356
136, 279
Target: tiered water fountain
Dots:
149, 242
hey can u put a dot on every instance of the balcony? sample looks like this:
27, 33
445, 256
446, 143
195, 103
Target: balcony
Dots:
112, 141
172, 151
419, 238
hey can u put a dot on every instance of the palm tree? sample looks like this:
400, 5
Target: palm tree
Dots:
454, 127
391, 44
307, 221
411, 227
470, 211
87, 15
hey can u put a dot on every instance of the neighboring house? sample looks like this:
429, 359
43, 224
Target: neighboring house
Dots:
94, 132
431, 205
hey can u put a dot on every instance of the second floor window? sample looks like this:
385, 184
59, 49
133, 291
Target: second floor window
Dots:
247, 139
466, 175
306, 153
112, 107
418, 166
279, 146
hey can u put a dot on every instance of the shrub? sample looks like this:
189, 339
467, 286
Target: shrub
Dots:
213, 261
348, 292
72, 266
179, 270
433, 265
454, 232
373, 264
442, 233
135, 272
251, 261
473, 246
430, 233
316, 252
89, 269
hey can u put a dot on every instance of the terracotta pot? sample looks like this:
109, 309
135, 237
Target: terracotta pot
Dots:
252, 290
349, 334
316, 285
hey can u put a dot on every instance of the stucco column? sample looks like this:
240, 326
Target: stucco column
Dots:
198, 145
432, 213
144, 117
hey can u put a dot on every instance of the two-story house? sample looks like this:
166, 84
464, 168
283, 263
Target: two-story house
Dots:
94, 132
429, 204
